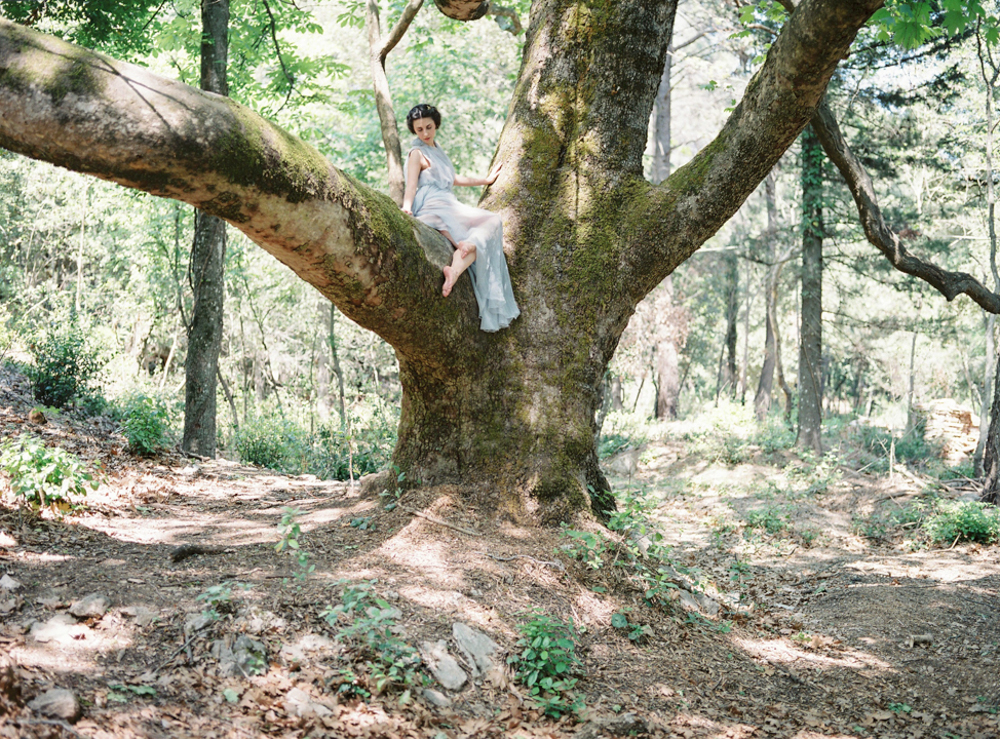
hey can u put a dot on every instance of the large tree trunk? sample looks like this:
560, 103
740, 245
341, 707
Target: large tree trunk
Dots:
811, 333
508, 415
208, 257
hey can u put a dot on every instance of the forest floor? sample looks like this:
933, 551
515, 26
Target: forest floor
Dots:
821, 631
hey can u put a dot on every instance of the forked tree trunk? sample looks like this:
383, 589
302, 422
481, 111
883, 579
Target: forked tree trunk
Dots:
509, 416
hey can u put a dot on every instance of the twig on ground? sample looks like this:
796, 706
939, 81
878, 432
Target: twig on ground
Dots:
558, 565
440, 521
51, 722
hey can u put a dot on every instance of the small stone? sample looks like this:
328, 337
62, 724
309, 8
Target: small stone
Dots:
436, 698
7, 541
246, 657
299, 703
442, 665
143, 616
61, 628
51, 603
9, 583
478, 650
297, 652
59, 703
94, 605
8, 605
196, 622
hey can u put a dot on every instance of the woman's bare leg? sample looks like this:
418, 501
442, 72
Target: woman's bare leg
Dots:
464, 256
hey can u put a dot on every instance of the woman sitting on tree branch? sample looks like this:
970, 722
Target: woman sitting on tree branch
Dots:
476, 234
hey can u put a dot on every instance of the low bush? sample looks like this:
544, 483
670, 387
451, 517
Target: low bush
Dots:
145, 422
963, 521
270, 442
65, 367
366, 625
45, 476
546, 656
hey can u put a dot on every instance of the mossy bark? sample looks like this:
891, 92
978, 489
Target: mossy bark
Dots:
510, 415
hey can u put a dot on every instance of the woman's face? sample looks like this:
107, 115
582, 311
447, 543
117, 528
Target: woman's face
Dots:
425, 129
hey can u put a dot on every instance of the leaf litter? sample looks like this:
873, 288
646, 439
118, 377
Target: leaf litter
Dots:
838, 637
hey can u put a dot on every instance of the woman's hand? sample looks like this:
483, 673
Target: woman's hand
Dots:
494, 173
407, 209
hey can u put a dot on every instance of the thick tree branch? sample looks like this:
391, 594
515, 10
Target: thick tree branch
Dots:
949, 284
89, 113
666, 224
502, 11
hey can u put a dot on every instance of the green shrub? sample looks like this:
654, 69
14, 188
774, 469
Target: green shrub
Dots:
145, 422
65, 366
366, 625
44, 476
963, 521
269, 442
544, 661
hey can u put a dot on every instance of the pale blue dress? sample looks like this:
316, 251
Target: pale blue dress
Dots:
436, 205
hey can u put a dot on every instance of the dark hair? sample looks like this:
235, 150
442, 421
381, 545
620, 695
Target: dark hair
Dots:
423, 111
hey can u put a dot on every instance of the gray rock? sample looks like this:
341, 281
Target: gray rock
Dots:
245, 657
436, 698
442, 665
308, 643
59, 703
9, 583
478, 650
299, 703
143, 616
94, 605
61, 628
196, 622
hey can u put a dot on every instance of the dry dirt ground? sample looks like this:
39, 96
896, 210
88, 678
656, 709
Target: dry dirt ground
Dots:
833, 636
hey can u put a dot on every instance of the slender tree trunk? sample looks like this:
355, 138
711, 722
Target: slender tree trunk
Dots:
986, 459
727, 367
811, 335
335, 360
762, 398
667, 350
910, 418
207, 270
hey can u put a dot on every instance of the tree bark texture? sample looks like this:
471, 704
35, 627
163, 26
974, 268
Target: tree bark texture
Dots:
765, 385
991, 456
508, 415
668, 321
811, 332
208, 259
727, 365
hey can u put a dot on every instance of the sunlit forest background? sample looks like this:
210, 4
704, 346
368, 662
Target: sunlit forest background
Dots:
98, 275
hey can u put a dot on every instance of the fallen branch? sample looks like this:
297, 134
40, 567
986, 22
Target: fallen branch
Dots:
558, 565
440, 521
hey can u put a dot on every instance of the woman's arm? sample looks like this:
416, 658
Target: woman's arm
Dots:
414, 163
489, 179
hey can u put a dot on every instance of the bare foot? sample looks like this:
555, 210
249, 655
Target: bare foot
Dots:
449, 282
465, 248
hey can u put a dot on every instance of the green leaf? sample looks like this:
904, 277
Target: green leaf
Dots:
619, 621
230, 695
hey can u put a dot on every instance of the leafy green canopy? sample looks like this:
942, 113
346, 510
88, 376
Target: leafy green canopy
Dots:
905, 23
116, 26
